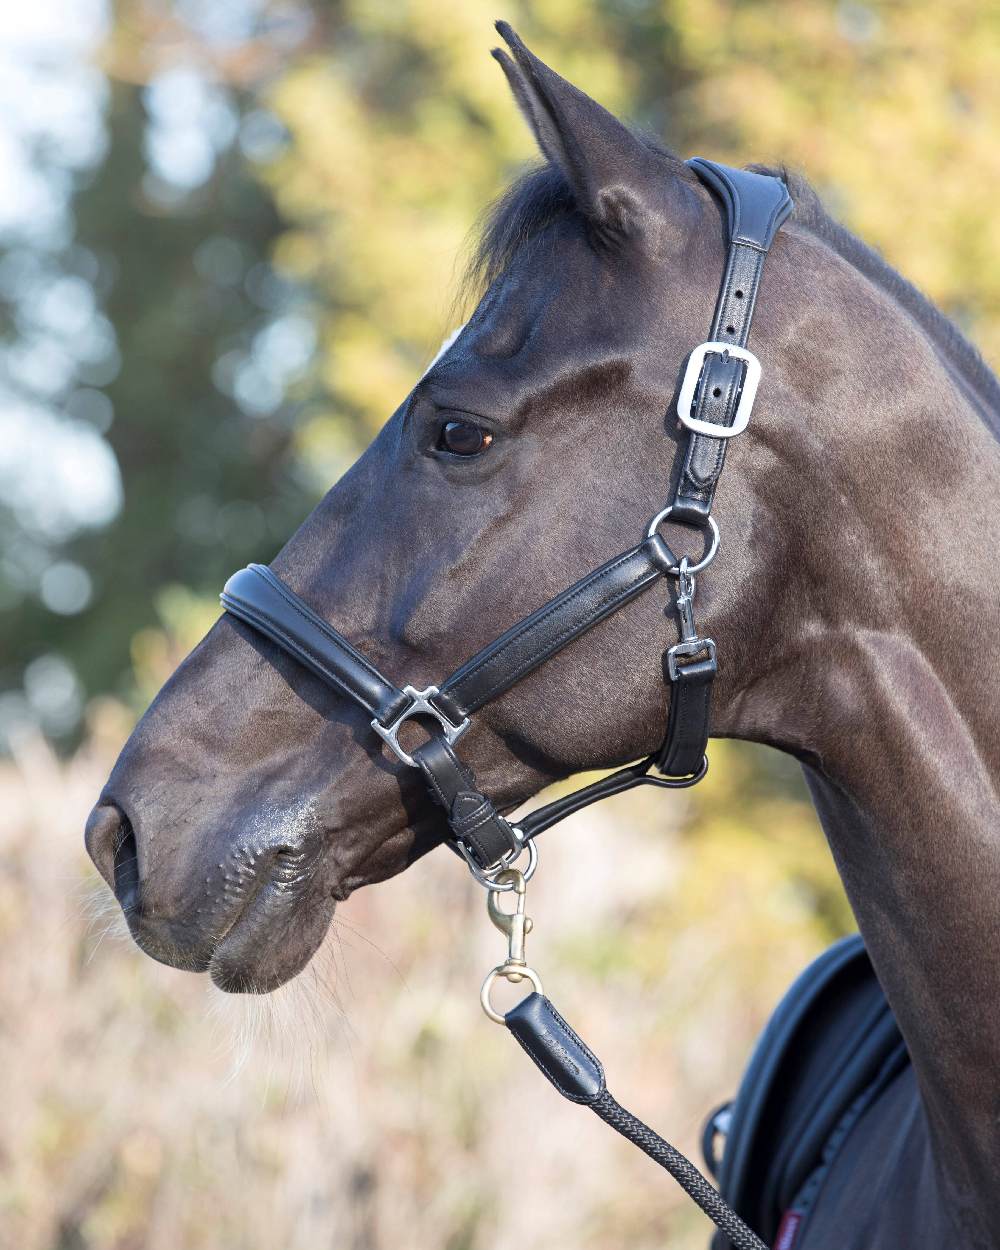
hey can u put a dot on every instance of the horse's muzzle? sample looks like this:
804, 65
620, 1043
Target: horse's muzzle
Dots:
233, 918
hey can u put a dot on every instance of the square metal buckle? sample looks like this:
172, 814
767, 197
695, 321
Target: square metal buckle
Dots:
420, 705
695, 364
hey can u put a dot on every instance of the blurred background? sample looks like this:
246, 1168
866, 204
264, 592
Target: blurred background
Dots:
230, 235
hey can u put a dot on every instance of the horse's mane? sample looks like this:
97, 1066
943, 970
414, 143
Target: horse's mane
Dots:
541, 196
534, 200
953, 347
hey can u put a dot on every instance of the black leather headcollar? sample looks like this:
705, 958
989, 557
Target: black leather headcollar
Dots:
715, 401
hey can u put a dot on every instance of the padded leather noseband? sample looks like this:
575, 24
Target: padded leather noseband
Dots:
721, 395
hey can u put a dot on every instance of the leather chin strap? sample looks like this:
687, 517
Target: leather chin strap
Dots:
715, 400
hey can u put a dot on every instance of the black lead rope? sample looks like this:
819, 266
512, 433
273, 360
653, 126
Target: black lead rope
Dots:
576, 1072
563, 1056
714, 404
681, 1169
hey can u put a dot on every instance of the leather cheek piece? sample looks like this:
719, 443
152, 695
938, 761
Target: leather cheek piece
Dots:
557, 1050
755, 206
529, 643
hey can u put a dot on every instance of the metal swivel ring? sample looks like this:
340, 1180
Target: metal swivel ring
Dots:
510, 972
709, 556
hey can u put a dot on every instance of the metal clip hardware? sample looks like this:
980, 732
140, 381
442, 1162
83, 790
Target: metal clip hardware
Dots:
690, 644
496, 877
420, 705
516, 925
685, 602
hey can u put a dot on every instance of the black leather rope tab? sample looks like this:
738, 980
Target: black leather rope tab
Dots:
561, 1055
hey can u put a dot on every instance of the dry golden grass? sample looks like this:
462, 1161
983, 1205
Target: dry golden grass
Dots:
370, 1104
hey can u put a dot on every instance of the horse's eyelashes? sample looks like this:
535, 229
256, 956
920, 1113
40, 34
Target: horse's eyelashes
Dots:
463, 438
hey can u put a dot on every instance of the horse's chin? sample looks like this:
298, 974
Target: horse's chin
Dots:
270, 942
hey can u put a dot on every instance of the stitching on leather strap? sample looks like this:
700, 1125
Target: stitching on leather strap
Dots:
593, 580
474, 818
578, 1043
508, 679
478, 846
485, 818
250, 615
432, 781
314, 619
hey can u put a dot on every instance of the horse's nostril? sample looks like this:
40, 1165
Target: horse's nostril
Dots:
111, 845
103, 831
126, 867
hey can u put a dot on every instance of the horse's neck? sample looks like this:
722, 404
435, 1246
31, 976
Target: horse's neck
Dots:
891, 690
914, 825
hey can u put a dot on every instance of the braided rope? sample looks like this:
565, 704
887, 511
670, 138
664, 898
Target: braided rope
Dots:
680, 1168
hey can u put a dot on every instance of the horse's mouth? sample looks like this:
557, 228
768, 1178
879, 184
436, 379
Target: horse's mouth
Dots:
255, 902
271, 938
252, 921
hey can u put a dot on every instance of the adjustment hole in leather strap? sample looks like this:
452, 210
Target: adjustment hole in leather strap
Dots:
738, 294
716, 391
730, 329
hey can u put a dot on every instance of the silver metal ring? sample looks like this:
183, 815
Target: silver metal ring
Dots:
487, 876
709, 556
510, 972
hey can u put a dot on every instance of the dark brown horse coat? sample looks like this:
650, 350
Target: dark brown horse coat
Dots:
855, 607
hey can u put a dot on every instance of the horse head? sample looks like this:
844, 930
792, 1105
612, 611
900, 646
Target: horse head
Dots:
250, 798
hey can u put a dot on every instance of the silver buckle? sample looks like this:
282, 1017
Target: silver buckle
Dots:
687, 649
420, 705
685, 401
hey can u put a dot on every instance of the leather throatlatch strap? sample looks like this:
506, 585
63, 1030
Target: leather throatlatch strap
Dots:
561, 1054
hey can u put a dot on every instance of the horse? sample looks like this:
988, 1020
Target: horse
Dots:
855, 607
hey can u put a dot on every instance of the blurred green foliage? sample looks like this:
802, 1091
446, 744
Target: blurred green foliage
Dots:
271, 312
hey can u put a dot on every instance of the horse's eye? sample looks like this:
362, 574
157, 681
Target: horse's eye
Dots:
462, 438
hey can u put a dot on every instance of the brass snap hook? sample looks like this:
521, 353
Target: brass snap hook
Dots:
515, 925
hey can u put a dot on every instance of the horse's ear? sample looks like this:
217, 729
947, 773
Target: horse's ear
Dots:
616, 179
